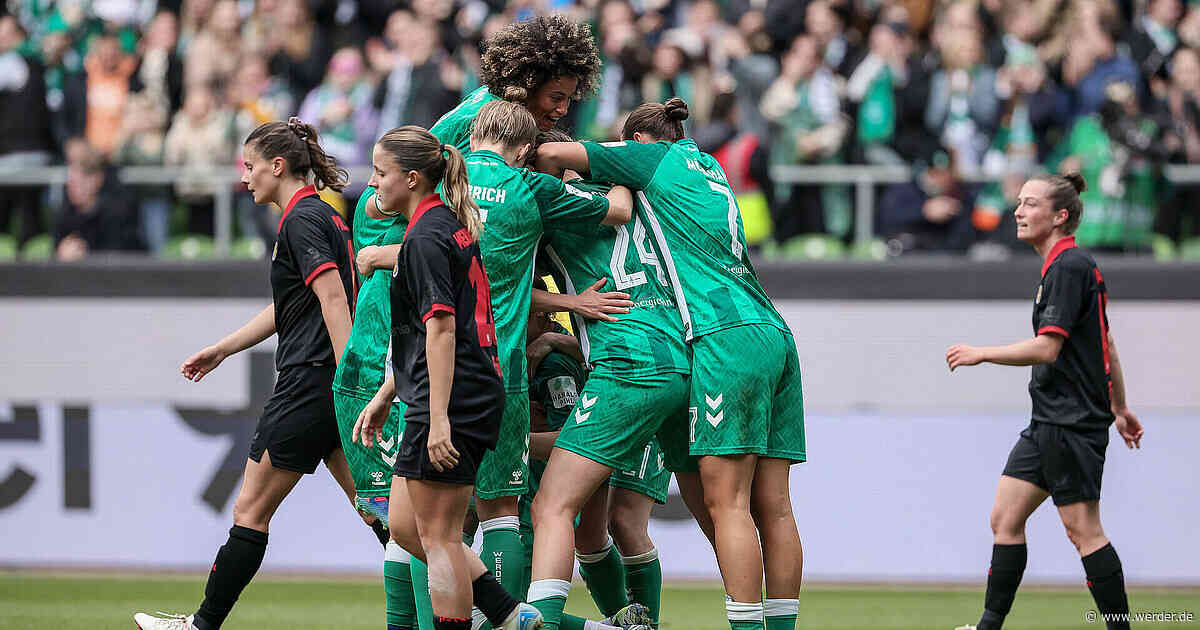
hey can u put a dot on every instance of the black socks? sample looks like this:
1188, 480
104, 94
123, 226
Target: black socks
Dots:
1008, 565
381, 532
488, 596
237, 562
1106, 581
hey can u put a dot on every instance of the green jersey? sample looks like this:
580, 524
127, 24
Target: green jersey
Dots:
454, 127
363, 367
648, 339
517, 206
684, 200
553, 390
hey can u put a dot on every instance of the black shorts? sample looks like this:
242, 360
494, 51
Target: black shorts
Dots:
298, 427
1065, 462
412, 457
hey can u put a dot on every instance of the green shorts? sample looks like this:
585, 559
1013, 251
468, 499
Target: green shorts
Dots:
370, 467
650, 478
615, 417
742, 406
504, 471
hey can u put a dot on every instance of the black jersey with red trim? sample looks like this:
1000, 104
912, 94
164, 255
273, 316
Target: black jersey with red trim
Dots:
1071, 302
439, 270
312, 239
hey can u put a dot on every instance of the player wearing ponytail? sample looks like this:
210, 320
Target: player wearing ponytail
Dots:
1078, 390
312, 285
748, 416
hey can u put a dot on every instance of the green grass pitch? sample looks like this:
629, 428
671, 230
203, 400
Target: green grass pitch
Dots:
40, 601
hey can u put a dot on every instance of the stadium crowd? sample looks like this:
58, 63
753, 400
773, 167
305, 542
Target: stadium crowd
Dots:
971, 94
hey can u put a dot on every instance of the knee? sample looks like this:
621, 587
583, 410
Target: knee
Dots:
628, 530
1084, 536
246, 514
1006, 526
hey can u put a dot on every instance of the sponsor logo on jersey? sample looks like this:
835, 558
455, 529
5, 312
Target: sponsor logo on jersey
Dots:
714, 405
584, 403
563, 394
386, 448
517, 478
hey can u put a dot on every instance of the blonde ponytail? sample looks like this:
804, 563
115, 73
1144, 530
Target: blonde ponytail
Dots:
457, 191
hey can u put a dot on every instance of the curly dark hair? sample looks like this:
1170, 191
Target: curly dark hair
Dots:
525, 55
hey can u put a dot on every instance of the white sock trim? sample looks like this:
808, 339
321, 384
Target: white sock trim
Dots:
641, 558
500, 523
547, 589
781, 607
477, 619
593, 558
588, 624
395, 553
744, 611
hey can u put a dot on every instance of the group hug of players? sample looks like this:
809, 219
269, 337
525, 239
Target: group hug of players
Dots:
417, 360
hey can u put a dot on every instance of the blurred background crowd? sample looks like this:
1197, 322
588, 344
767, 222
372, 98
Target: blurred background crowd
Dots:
967, 95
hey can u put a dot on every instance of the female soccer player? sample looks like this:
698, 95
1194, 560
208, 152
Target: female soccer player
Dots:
311, 314
543, 64
748, 416
517, 207
444, 369
1077, 389
359, 376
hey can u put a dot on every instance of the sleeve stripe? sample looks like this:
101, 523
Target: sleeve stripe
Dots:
1056, 330
316, 272
435, 309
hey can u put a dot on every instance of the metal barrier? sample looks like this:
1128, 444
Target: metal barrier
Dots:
224, 183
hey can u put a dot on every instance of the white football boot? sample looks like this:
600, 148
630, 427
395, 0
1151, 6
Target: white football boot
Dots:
163, 621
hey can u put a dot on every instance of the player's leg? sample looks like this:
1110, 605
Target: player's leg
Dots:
783, 560
569, 481
441, 507
503, 477
264, 488
1101, 564
727, 481
1016, 499
692, 493
599, 560
629, 522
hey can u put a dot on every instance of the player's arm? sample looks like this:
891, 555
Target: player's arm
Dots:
620, 206
374, 257
1043, 348
1127, 423
335, 308
590, 304
251, 334
554, 157
439, 356
552, 342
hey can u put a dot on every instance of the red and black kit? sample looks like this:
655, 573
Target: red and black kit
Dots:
439, 270
298, 427
1062, 450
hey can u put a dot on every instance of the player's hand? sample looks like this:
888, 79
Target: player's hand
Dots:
202, 363
961, 354
369, 425
364, 260
595, 305
1128, 426
442, 453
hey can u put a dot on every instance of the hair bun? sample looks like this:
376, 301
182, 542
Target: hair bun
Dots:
676, 109
515, 94
1077, 181
298, 127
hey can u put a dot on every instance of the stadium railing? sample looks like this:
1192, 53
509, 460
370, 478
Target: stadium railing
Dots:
224, 183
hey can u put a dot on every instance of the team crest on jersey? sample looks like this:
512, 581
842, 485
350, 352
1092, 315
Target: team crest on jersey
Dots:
1038, 299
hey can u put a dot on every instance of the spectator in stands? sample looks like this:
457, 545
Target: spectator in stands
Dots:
673, 73
65, 86
140, 142
342, 110
823, 21
159, 74
752, 69
871, 90
256, 97
1179, 217
25, 140
194, 14
930, 213
97, 215
213, 55
298, 50
1092, 61
199, 138
963, 109
107, 72
1152, 41
409, 59
803, 107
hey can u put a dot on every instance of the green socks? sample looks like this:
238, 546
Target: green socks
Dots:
781, 613
643, 578
502, 552
549, 597
397, 587
420, 584
744, 615
605, 579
